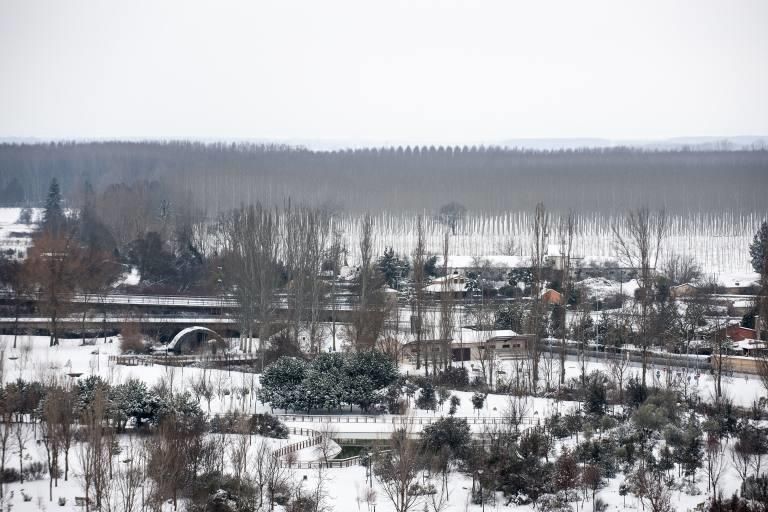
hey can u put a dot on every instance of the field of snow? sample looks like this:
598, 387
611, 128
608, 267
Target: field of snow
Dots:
347, 487
719, 242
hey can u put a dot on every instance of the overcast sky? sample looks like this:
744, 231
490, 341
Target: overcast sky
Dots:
406, 71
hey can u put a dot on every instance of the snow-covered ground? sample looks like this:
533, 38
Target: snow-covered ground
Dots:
33, 359
15, 236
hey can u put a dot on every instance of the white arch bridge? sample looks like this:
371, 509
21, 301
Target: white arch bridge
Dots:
194, 337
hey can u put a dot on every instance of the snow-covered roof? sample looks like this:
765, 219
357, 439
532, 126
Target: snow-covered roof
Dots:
442, 287
685, 285
748, 344
738, 279
474, 336
743, 303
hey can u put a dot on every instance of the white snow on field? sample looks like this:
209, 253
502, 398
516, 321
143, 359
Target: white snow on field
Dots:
14, 236
600, 288
737, 279
495, 260
33, 359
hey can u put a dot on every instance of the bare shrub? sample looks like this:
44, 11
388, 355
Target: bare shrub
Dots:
131, 339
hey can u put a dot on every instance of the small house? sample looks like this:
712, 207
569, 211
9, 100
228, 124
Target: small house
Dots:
451, 286
550, 296
683, 290
737, 332
471, 344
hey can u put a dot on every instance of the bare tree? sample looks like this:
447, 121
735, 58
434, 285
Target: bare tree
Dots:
397, 471
98, 270
66, 426
327, 445
260, 465
304, 243
567, 228
54, 262
714, 459
315, 499
638, 243
540, 236
251, 241
15, 278
518, 408
447, 307
7, 406
363, 324
743, 454
166, 462
720, 345
679, 269
238, 452
652, 489
51, 433
419, 282
21, 435
619, 364
482, 318
129, 480
335, 252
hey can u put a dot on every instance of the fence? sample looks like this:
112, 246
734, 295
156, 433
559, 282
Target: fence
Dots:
174, 360
331, 464
406, 420
315, 438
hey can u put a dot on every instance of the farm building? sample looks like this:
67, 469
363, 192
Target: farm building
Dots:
750, 347
550, 296
736, 332
683, 290
453, 285
471, 343
741, 307
739, 284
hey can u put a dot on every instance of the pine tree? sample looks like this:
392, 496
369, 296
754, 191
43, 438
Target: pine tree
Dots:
392, 267
759, 248
426, 399
53, 216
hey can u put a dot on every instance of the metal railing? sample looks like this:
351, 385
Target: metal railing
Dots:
175, 360
405, 420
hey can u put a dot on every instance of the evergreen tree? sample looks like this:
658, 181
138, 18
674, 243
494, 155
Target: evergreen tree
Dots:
454, 404
53, 216
759, 248
452, 433
478, 399
392, 267
426, 399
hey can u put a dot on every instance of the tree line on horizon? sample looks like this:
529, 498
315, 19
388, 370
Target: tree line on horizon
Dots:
217, 177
